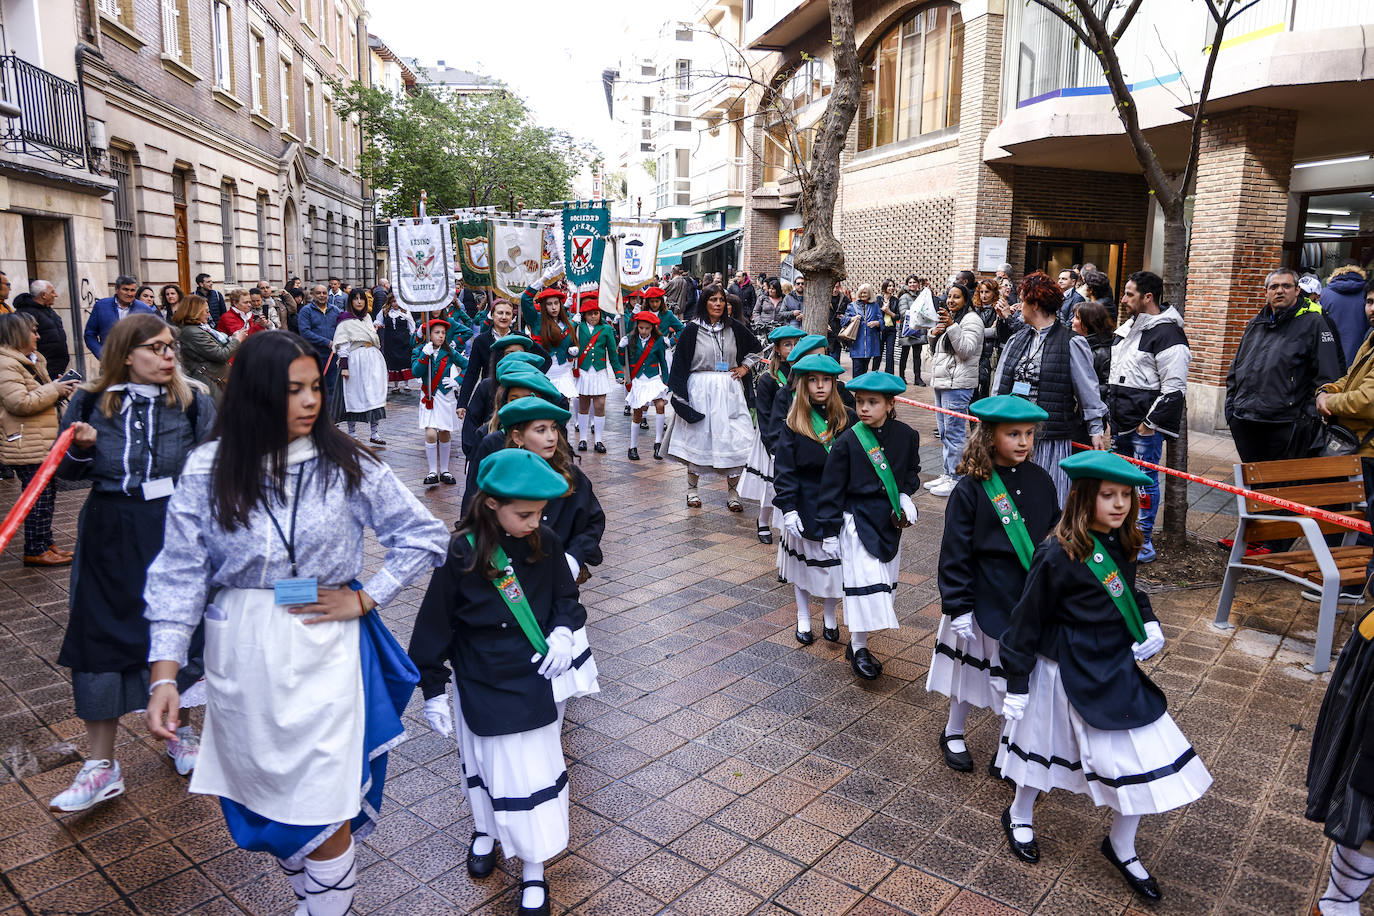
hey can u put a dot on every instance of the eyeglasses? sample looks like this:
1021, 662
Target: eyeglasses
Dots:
1280, 286
159, 348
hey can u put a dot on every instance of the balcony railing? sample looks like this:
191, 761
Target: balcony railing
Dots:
724, 178
49, 125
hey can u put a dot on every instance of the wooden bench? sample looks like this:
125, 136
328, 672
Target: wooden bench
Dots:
1335, 484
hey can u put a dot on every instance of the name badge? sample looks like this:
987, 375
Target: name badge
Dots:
291, 592
158, 487
722, 366
1021, 388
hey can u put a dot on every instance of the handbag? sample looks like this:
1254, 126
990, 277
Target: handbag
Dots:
850, 332
1335, 440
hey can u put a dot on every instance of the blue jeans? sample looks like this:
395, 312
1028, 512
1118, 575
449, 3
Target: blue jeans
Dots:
953, 430
1145, 448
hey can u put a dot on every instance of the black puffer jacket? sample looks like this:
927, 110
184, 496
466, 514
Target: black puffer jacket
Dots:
1282, 360
52, 336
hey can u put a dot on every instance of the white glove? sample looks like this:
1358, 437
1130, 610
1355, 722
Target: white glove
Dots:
908, 507
624, 341
428, 350
438, 716
1014, 706
572, 351
831, 548
551, 271
1154, 641
962, 626
792, 524
560, 656
573, 564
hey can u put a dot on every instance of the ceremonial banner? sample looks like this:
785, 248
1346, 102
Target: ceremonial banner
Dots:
474, 253
422, 277
637, 245
608, 295
553, 250
517, 254
584, 245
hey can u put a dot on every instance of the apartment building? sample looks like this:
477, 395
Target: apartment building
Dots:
218, 122
985, 132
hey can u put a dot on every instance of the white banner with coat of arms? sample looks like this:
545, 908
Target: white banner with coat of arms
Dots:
637, 246
517, 254
421, 263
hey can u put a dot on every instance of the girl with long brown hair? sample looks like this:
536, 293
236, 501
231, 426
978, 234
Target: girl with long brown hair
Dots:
1080, 713
806, 558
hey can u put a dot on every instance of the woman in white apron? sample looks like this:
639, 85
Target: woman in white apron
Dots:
305, 686
362, 366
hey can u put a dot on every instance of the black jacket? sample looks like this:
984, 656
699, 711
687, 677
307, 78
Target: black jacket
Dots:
479, 362
748, 295
464, 622
850, 483
477, 418
979, 569
1066, 615
1281, 362
798, 466
52, 336
765, 393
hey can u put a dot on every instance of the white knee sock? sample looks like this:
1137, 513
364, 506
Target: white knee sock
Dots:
658, 428
372, 428
296, 876
803, 609
1351, 872
765, 511
351, 427
831, 621
1023, 812
330, 883
858, 640
533, 896
432, 456
634, 434
483, 844
584, 425
958, 715
445, 451
1122, 838
599, 426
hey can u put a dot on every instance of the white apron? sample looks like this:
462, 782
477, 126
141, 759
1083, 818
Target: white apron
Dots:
365, 387
284, 711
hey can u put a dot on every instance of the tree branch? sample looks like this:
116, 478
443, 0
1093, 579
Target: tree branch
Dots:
1068, 20
1125, 22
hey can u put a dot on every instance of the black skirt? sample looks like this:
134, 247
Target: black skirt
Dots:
117, 539
1340, 778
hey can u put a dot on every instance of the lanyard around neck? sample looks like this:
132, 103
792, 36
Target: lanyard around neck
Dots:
290, 542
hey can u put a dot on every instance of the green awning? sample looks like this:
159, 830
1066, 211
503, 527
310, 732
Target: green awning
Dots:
672, 251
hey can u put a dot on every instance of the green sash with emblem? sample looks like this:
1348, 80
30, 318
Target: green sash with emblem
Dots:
878, 458
1012, 522
514, 597
821, 429
1106, 571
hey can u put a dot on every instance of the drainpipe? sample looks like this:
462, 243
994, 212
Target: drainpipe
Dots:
82, 49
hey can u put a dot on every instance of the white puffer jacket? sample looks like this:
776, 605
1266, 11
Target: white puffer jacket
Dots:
954, 354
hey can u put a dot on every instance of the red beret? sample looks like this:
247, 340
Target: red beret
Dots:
552, 292
651, 317
588, 303
653, 292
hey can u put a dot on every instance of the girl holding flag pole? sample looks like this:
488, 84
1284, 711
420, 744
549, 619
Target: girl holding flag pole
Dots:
594, 356
646, 354
865, 503
439, 368
1002, 507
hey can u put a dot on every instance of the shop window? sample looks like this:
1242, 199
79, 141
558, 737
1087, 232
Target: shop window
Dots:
914, 80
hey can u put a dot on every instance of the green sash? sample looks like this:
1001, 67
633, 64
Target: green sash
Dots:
821, 429
514, 596
1106, 571
782, 380
878, 457
1012, 522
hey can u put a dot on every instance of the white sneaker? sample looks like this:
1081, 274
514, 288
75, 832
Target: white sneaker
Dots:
184, 750
944, 487
98, 781
932, 484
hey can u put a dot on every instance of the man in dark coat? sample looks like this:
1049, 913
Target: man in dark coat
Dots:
52, 335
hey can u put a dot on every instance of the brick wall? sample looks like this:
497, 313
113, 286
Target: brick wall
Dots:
1073, 204
984, 192
896, 240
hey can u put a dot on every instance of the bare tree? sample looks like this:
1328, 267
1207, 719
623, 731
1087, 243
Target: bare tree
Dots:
1099, 25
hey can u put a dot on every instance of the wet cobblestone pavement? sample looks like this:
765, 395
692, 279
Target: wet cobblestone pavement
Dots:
723, 769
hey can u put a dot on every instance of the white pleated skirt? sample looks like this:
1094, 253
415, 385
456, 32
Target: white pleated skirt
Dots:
594, 382
721, 439
868, 583
967, 670
517, 787
444, 414
803, 564
1144, 770
561, 376
757, 483
645, 390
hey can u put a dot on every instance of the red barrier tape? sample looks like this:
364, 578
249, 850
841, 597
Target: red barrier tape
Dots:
1278, 502
21, 509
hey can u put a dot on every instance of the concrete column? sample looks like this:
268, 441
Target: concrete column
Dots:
1244, 170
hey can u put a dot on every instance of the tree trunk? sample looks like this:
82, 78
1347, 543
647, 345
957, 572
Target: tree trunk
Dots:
1175, 258
1174, 526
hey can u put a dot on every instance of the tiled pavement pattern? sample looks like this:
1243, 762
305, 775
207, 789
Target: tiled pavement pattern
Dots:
723, 769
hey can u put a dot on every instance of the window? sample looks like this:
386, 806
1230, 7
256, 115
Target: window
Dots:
684, 75
684, 32
121, 10
224, 65
226, 229
327, 126
309, 112
121, 170
262, 234
176, 31
339, 35
288, 96
914, 81
646, 69
257, 57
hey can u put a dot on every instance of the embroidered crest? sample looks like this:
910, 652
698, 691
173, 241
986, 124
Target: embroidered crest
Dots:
510, 587
1114, 584
1002, 504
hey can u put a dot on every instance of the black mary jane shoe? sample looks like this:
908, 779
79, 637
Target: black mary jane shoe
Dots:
627, 410
658, 451
542, 909
431, 480
581, 445
956, 760
863, 663
1026, 852
599, 448
765, 535
634, 454
832, 634
805, 637
447, 478
1145, 887
480, 866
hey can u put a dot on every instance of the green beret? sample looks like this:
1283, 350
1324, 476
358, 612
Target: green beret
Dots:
518, 376
1007, 408
818, 362
513, 473
786, 332
1092, 464
877, 382
807, 344
522, 410
511, 340
522, 357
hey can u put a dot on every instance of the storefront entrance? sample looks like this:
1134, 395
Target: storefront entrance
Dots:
1054, 255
